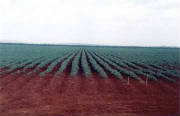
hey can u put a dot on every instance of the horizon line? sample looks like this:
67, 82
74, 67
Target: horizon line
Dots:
80, 44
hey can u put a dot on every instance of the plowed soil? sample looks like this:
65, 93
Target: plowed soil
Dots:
31, 95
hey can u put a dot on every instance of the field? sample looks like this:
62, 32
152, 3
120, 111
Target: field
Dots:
68, 80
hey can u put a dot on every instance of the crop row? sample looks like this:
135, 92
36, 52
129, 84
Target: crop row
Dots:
89, 60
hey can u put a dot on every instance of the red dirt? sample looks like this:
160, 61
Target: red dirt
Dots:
92, 96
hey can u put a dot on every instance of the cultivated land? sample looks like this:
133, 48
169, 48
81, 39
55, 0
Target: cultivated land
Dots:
48, 80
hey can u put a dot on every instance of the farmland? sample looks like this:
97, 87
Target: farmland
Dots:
88, 80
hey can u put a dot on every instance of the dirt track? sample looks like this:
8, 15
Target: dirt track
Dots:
31, 95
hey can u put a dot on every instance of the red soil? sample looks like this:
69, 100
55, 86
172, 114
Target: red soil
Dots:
22, 95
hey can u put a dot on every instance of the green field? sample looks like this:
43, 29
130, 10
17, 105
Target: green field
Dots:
152, 63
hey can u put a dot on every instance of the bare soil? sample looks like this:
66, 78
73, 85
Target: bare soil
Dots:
31, 95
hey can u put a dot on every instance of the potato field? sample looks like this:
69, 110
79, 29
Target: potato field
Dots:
69, 80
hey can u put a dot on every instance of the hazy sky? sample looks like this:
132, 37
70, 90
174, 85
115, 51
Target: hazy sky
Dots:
111, 22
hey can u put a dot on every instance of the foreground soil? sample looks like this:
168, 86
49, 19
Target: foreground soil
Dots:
22, 95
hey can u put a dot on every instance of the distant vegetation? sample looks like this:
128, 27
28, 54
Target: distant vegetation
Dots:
120, 62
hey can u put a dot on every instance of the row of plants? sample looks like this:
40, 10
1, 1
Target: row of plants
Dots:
64, 64
85, 65
96, 66
75, 64
54, 63
107, 66
114, 63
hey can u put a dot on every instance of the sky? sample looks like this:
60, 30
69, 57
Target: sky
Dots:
102, 22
